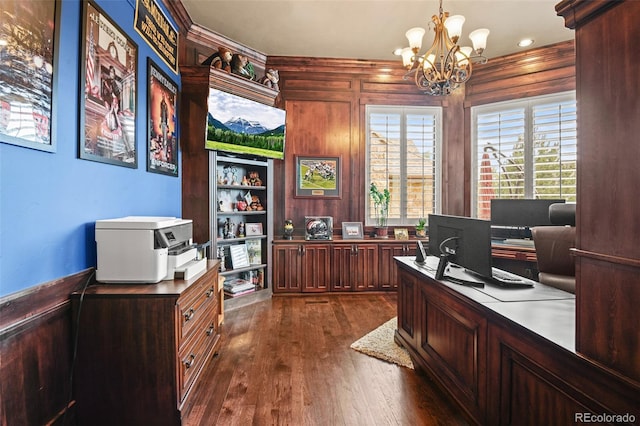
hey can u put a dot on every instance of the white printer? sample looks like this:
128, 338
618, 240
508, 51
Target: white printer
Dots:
145, 249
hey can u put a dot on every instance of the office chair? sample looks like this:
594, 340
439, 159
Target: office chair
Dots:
556, 266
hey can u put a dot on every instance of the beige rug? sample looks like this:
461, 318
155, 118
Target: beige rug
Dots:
380, 344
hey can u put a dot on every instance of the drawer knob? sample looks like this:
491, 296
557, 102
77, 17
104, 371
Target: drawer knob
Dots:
210, 330
188, 363
189, 314
209, 292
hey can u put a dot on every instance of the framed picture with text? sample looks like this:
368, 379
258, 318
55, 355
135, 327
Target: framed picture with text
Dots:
162, 122
108, 90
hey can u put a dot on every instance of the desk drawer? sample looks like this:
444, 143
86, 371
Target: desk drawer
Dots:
193, 307
193, 356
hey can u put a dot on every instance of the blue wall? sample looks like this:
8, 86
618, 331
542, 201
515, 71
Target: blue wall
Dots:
50, 201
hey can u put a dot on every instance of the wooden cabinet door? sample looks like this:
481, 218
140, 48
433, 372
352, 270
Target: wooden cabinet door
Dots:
388, 270
407, 297
315, 275
287, 268
341, 267
364, 267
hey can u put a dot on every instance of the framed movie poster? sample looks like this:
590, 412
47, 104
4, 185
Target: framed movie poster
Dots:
318, 177
28, 65
162, 134
108, 78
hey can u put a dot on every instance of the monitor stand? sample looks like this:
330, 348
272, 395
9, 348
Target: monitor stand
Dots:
456, 274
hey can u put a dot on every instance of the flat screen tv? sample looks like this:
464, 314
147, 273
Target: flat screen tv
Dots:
243, 126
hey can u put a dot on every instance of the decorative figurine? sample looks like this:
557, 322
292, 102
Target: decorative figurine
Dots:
241, 230
288, 229
229, 175
221, 256
254, 179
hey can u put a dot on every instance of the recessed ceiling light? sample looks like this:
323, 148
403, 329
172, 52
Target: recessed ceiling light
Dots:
525, 42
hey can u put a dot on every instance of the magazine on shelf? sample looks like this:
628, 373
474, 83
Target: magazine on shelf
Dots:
237, 285
242, 293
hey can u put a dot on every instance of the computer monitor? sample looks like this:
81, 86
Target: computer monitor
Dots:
465, 241
521, 212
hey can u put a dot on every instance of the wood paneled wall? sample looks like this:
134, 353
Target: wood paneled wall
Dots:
36, 352
325, 99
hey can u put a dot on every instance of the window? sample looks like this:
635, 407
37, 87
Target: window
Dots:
403, 146
524, 149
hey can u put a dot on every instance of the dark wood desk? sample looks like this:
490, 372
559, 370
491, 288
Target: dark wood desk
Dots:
518, 259
507, 356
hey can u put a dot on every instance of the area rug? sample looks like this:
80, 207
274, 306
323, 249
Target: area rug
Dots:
380, 344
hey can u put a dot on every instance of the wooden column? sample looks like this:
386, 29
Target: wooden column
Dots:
608, 228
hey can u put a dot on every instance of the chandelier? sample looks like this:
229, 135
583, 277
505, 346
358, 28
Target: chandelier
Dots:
446, 65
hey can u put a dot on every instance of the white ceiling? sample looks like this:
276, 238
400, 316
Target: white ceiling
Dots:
372, 29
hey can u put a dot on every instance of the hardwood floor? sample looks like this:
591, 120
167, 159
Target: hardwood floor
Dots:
287, 361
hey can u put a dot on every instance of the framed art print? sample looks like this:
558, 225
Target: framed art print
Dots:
108, 78
253, 229
318, 177
352, 230
28, 66
401, 233
162, 109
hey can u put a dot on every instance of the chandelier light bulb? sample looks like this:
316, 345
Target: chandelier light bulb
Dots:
414, 35
453, 24
407, 57
479, 39
464, 54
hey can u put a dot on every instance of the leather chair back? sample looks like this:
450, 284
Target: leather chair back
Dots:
556, 266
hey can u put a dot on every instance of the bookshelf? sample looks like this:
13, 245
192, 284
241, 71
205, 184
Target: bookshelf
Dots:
242, 225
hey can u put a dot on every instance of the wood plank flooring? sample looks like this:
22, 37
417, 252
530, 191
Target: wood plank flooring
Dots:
287, 361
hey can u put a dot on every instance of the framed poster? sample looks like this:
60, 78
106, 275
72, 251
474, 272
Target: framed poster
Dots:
318, 177
28, 65
108, 78
162, 122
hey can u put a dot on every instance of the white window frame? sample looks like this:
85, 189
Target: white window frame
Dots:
403, 220
527, 104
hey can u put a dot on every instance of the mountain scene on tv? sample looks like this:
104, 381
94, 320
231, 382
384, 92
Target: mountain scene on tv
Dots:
243, 126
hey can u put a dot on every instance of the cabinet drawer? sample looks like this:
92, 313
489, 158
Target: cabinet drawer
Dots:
193, 307
193, 356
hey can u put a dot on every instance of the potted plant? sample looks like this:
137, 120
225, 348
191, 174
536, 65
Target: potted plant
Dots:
381, 201
421, 231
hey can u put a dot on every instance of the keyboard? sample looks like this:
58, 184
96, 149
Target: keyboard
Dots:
507, 279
